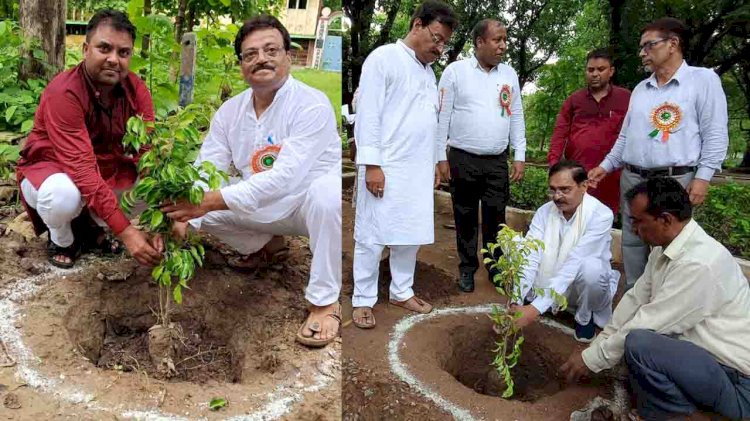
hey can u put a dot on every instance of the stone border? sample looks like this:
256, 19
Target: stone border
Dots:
401, 328
278, 404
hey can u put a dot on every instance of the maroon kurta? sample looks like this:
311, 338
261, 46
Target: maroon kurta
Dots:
591, 129
74, 134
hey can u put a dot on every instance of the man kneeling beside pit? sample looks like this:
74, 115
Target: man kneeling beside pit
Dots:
684, 328
575, 228
281, 135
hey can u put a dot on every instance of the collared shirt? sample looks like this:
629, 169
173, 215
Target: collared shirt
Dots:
701, 136
75, 134
301, 121
472, 117
587, 129
594, 242
692, 289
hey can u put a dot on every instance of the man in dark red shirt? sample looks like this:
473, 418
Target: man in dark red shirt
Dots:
589, 122
73, 158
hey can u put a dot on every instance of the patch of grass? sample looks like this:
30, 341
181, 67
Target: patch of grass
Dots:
328, 82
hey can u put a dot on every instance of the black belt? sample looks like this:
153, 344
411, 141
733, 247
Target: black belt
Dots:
659, 172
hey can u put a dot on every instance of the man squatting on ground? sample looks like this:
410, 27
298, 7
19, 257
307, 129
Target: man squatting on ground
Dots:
395, 127
73, 163
684, 328
575, 228
281, 135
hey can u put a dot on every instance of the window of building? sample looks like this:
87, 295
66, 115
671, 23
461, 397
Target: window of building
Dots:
297, 4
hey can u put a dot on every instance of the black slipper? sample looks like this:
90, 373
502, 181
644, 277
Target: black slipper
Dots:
71, 252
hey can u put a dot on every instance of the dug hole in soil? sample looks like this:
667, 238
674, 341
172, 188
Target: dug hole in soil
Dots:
87, 334
452, 354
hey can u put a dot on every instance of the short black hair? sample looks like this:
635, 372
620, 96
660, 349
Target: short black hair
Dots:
435, 10
260, 22
114, 18
480, 29
670, 27
576, 170
665, 195
600, 53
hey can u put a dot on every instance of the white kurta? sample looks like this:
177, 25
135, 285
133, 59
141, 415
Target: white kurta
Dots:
395, 129
301, 120
299, 195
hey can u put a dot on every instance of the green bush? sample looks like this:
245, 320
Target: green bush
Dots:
531, 192
726, 216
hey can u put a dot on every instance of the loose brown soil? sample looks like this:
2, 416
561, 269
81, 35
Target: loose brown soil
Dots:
88, 333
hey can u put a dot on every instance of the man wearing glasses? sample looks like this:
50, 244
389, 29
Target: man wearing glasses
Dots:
575, 228
73, 162
281, 136
676, 126
481, 116
395, 132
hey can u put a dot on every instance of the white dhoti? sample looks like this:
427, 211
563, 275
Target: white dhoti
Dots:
58, 201
403, 260
592, 291
318, 217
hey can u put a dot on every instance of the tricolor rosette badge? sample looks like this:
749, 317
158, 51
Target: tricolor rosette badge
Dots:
263, 159
665, 118
505, 97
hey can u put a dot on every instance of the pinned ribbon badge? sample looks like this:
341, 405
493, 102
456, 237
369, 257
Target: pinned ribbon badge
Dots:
264, 158
505, 96
665, 118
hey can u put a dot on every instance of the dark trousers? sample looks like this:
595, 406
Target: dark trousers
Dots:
475, 179
672, 377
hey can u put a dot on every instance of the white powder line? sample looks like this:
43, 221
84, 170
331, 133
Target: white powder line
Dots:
403, 373
279, 402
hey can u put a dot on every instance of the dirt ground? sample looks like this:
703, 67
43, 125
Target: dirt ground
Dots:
74, 341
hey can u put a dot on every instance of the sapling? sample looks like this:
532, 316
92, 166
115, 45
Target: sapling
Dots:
167, 174
507, 280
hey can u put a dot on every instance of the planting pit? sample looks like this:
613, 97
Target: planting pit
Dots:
446, 356
80, 338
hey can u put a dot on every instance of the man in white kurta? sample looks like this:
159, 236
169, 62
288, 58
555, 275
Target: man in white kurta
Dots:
396, 121
288, 152
575, 228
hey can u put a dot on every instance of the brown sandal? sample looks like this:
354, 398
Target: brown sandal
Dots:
315, 327
414, 304
365, 313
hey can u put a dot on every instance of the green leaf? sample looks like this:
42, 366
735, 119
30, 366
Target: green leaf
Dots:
27, 125
177, 294
9, 112
156, 219
156, 273
217, 403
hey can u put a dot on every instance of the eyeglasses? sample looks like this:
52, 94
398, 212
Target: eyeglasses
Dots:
649, 45
250, 56
436, 39
563, 191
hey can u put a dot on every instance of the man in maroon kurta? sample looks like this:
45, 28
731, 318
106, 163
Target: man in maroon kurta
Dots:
74, 157
589, 122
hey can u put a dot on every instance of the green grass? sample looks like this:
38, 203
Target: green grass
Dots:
328, 82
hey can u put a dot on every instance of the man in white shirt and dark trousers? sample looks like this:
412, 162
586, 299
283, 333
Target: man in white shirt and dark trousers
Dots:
676, 126
397, 157
684, 328
481, 116
575, 262
281, 136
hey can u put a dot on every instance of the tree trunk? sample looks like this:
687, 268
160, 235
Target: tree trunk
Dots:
615, 33
179, 23
146, 41
45, 21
